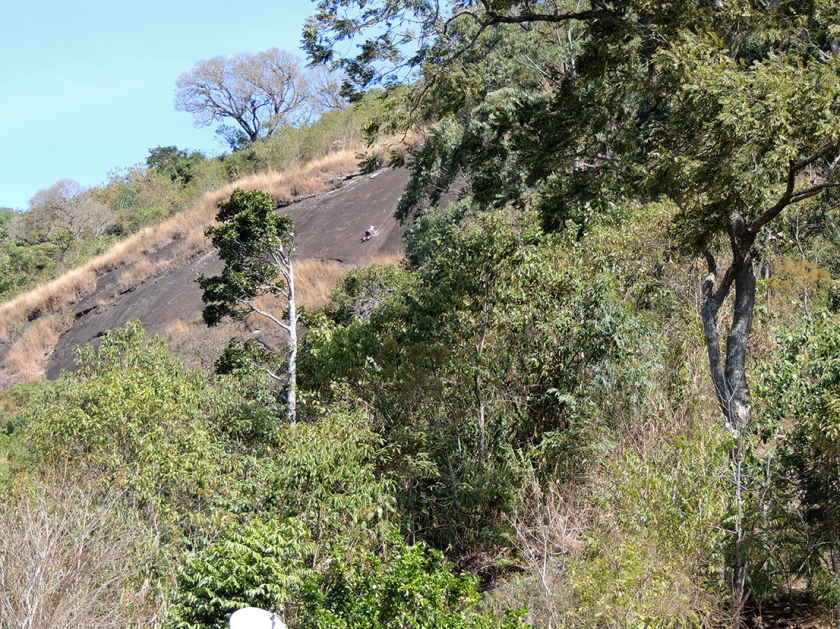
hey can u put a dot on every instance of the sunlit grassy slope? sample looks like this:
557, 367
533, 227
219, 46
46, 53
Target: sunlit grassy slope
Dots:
31, 323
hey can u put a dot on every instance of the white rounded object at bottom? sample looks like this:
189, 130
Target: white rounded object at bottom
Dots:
255, 618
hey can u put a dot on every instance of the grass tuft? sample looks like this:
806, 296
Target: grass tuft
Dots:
26, 358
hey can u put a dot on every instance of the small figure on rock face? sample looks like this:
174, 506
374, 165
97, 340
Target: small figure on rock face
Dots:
370, 232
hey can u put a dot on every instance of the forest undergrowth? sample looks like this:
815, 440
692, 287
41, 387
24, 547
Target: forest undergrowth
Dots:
601, 390
594, 494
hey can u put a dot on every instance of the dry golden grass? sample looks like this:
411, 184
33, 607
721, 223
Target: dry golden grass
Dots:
25, 360
54, 297
314, 280
46, 299
177, 328
391, 256
139, 271
195, 242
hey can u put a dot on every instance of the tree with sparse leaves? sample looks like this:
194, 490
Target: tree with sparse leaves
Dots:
65, 211
260, 93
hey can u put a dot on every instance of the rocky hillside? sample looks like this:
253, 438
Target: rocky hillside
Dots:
329, 228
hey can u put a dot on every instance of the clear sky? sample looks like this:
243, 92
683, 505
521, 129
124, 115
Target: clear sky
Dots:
88, 86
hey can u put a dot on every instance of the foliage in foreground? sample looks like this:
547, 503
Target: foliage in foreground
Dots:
136, 418
260, 565
500, 348
74, 555
656, 559
410, 586
801, 394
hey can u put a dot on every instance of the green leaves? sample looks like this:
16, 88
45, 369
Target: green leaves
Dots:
464, 363
413, 586
251, 240
326, 475
135, 417
736, 128
801, 391
259, 565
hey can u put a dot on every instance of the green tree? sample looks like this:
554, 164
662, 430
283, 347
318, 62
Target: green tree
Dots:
499, 346
256, 245
721, 110
180, 165
328, 476
729, 111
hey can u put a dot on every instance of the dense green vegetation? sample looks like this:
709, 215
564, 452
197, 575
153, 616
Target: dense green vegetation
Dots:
537, 405
520, 401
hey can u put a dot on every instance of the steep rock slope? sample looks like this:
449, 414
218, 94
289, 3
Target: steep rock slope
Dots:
329, 226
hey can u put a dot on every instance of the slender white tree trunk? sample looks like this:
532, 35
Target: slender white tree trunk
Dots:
291, 393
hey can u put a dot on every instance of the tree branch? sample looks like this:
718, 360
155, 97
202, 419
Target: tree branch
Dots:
264, 313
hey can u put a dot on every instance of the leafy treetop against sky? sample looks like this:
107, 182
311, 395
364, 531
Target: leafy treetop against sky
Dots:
88, 86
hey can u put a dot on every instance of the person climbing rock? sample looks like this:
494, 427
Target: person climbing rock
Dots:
370, 232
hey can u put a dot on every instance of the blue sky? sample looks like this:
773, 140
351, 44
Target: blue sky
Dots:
88, 86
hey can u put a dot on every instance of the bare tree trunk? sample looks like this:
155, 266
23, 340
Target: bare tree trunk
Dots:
291, 392
729, 379
479, 351
729, 374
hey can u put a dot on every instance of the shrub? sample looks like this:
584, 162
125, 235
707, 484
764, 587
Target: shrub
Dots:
260, 565
412, 587
72, 556
327, 477
134, 416
654, 559
801, 414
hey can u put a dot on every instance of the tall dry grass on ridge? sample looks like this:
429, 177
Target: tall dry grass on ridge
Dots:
315, 279
25, 360
54, 297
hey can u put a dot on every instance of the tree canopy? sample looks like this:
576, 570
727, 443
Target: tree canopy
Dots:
260, 93
729, 111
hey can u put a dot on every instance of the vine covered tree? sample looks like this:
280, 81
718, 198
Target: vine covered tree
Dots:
256, 245
260, 93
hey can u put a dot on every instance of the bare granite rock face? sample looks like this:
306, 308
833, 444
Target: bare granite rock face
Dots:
329, 226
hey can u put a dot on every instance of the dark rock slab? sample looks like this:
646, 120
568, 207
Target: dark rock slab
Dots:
329, 226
